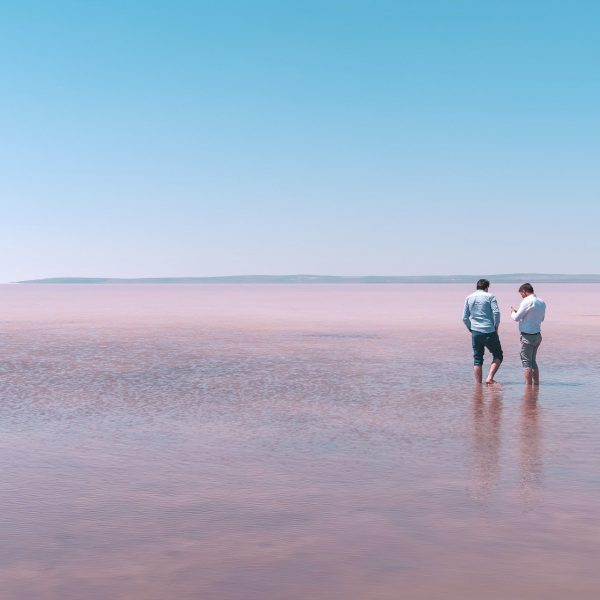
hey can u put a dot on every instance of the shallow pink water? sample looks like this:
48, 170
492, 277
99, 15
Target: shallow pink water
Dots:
267, 442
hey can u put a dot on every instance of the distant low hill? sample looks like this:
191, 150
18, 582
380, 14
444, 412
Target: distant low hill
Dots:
503, 278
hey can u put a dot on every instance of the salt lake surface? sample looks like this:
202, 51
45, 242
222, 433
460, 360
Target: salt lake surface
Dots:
290, 442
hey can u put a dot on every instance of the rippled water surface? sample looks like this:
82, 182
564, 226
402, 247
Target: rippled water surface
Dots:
291, 442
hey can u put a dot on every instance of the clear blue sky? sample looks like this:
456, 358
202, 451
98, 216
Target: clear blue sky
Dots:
333, 137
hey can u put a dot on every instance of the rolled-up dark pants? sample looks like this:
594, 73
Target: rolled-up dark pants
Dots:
491, 341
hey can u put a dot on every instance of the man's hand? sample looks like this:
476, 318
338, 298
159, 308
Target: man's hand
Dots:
513, 309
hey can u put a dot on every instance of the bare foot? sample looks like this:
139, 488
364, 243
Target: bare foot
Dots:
491, 382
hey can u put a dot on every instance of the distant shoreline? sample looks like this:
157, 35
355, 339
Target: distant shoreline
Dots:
315, 279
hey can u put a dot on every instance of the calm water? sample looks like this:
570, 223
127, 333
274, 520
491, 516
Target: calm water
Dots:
292, 442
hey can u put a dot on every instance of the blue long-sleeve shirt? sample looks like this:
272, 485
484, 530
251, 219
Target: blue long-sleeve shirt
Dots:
481, 312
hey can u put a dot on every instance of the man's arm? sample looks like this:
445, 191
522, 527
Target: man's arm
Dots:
495, 311
466, 315
524, 308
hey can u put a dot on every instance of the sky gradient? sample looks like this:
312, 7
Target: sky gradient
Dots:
180, 138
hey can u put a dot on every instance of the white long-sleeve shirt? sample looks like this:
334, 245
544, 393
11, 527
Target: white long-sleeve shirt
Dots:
530, 314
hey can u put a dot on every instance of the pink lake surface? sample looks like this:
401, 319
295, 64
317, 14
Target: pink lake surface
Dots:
288, 442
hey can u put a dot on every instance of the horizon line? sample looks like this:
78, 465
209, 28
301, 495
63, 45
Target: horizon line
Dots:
311, 278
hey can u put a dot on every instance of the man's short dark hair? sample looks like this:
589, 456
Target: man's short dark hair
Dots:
484, 284
526, 287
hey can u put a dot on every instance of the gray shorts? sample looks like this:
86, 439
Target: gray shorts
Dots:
530, 342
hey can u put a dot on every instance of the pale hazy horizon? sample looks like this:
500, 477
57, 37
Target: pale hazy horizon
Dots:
326, 279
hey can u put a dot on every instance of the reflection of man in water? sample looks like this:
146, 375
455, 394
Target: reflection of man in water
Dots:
529, 315
487, 438
481, 316
530, 445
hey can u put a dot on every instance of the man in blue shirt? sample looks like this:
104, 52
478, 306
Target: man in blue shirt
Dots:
481, 316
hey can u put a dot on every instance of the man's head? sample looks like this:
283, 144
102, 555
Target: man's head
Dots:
526, 290
484, 284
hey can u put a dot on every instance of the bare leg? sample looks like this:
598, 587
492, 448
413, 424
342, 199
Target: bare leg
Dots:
535, 376
477, 371
528, 376
493, 370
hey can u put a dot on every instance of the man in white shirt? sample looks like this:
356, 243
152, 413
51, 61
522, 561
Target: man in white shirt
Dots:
529, 315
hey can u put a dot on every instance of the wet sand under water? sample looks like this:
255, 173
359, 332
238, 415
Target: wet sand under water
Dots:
291, 442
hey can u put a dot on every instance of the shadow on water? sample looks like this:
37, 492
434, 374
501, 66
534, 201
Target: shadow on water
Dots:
547, 383
561, 384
